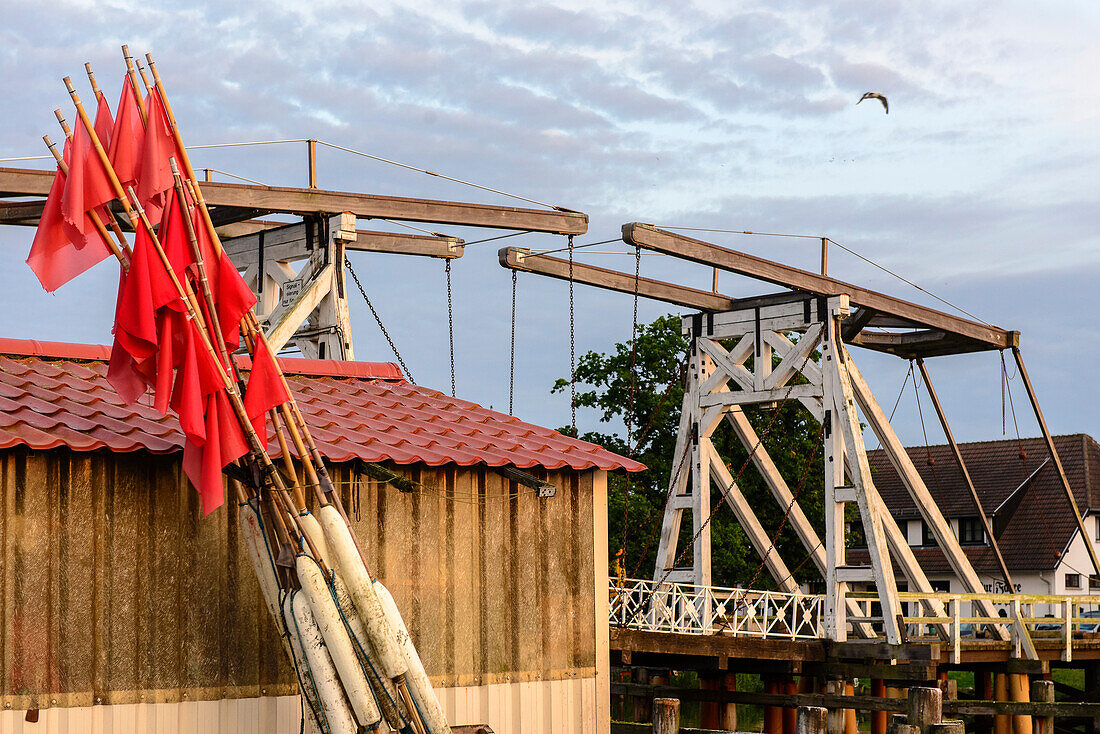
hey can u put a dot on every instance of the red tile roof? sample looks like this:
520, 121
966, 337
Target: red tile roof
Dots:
54, 394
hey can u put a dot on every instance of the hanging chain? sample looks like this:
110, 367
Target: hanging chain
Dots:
572, 346
385, 332
512, 355
630, 408
450, 325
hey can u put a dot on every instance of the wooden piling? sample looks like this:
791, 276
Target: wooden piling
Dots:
1001, 723
851, 724
983, 690
1018, 690
773, 715
925, 707
1043, 691
878, 718
666, 716
729, 710
790, 713
709, 714
811, 720
642, 709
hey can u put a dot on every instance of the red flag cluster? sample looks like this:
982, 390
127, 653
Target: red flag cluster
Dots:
165, 343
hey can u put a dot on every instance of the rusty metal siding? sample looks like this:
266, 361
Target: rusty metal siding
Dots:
114, 590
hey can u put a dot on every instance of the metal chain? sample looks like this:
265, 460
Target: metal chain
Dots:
630, 409
572, 346
385, 332
450, 325
512, 355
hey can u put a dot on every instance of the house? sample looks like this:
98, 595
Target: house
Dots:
123, 609
1025, 502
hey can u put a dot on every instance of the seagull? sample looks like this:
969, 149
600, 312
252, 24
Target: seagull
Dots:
879, 97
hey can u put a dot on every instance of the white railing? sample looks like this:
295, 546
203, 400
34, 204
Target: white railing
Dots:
703, 610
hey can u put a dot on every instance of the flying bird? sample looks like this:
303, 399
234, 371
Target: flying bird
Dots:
879, 97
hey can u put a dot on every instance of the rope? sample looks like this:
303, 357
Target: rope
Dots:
572, 345
512, 356
450, 324
385, 332
330, 584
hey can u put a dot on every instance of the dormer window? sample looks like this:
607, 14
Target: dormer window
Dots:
971, 531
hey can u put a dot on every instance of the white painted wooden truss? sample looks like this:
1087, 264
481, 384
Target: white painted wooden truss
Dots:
309, 307
780, 335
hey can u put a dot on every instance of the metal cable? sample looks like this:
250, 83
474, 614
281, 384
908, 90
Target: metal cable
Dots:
512, 355
385, 332
849, 250
450, 324
630, 407
380, 159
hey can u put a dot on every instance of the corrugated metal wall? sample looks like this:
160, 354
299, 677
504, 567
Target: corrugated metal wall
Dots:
114, 591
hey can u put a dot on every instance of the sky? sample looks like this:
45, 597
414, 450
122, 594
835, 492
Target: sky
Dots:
980, 184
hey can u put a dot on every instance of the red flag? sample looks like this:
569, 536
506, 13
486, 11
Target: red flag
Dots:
129, 377
127, 137
104, 123
174, 239
54, 258
146, 289
265, 389
87, 187
156, 179
232, 296
189, 393
224, 442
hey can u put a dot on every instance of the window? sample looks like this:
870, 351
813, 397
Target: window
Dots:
927, 538
1098, 527
1073, 581
1094, 583
971, 531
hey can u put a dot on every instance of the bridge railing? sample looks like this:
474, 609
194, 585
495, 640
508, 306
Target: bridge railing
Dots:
653, 606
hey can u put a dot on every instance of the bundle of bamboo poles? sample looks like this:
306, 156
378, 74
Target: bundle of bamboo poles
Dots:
356, 664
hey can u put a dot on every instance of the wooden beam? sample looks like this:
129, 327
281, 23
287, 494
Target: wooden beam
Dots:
288, 242
966, 474
1056, 459
21, 212
284, 322
980, 335
918, 491
302, 201
515, 258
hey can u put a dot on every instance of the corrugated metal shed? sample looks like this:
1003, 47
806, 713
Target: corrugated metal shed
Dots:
114, 591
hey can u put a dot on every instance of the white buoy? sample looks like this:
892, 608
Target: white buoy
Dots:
334, 704
385, 694
305, 680
420, 687
262, 563
316, 536
339, 645
350, 569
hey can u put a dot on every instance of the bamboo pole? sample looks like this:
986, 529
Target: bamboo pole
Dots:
61, 164
91, 78
134, 83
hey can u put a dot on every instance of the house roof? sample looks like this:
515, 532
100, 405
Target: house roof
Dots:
1034, 525
56, 395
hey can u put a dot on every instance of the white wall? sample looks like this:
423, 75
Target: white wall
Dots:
532, 707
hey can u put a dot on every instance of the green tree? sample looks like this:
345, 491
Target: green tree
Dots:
648, 398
